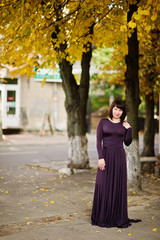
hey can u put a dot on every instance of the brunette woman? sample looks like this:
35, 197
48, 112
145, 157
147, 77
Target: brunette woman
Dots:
110, 196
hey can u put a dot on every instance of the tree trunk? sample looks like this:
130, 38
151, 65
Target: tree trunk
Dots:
75, 102
149, 128
76, 107
133, 101
151, 76
1, 132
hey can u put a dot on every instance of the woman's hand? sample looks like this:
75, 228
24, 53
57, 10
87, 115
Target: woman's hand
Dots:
126, 124
101, 164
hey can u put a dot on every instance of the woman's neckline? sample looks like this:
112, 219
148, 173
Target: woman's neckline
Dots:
113, 122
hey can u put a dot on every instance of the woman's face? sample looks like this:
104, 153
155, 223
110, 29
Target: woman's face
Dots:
117, 112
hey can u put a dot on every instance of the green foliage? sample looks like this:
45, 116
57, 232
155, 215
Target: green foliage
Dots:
101, 56
142, 109
98, 102
103, 82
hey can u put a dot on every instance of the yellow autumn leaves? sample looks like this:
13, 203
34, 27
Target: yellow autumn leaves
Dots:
27, 30
3, 191
146, 14
155, 229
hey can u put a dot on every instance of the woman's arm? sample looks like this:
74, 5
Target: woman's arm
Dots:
128, 134
99, 139
101, 162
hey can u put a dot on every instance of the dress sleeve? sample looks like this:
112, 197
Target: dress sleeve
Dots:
99, 139
128, 136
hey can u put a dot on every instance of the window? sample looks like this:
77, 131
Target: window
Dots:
11, 102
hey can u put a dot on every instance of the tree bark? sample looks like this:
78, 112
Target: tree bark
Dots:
133, 101
1, 132
149, 127
76, 107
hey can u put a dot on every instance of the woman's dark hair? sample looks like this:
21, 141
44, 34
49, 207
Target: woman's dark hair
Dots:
119, 104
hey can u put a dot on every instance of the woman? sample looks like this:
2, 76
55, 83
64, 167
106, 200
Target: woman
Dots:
110, 197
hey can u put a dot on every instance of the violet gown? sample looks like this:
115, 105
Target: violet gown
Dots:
110, 196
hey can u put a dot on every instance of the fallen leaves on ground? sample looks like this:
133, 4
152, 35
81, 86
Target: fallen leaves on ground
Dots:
155, 229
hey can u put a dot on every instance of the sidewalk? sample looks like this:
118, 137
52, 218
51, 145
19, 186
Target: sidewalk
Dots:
26, 138
42, 205
38, 204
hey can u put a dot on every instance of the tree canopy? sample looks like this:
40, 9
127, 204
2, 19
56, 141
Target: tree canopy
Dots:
32, 31
41, 33
35, 30
147, 21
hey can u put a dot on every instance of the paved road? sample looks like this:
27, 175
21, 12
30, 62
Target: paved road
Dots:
13, 156
32, 149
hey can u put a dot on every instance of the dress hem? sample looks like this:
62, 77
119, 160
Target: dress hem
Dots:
125, 225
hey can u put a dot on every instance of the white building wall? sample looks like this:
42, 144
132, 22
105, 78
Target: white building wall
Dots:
34, 103
38, 102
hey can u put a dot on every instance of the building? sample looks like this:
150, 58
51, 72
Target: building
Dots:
26, 105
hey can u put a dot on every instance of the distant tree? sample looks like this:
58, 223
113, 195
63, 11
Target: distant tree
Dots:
148, 20
150, 88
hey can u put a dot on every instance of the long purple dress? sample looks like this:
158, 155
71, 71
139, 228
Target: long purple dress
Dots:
110, 196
